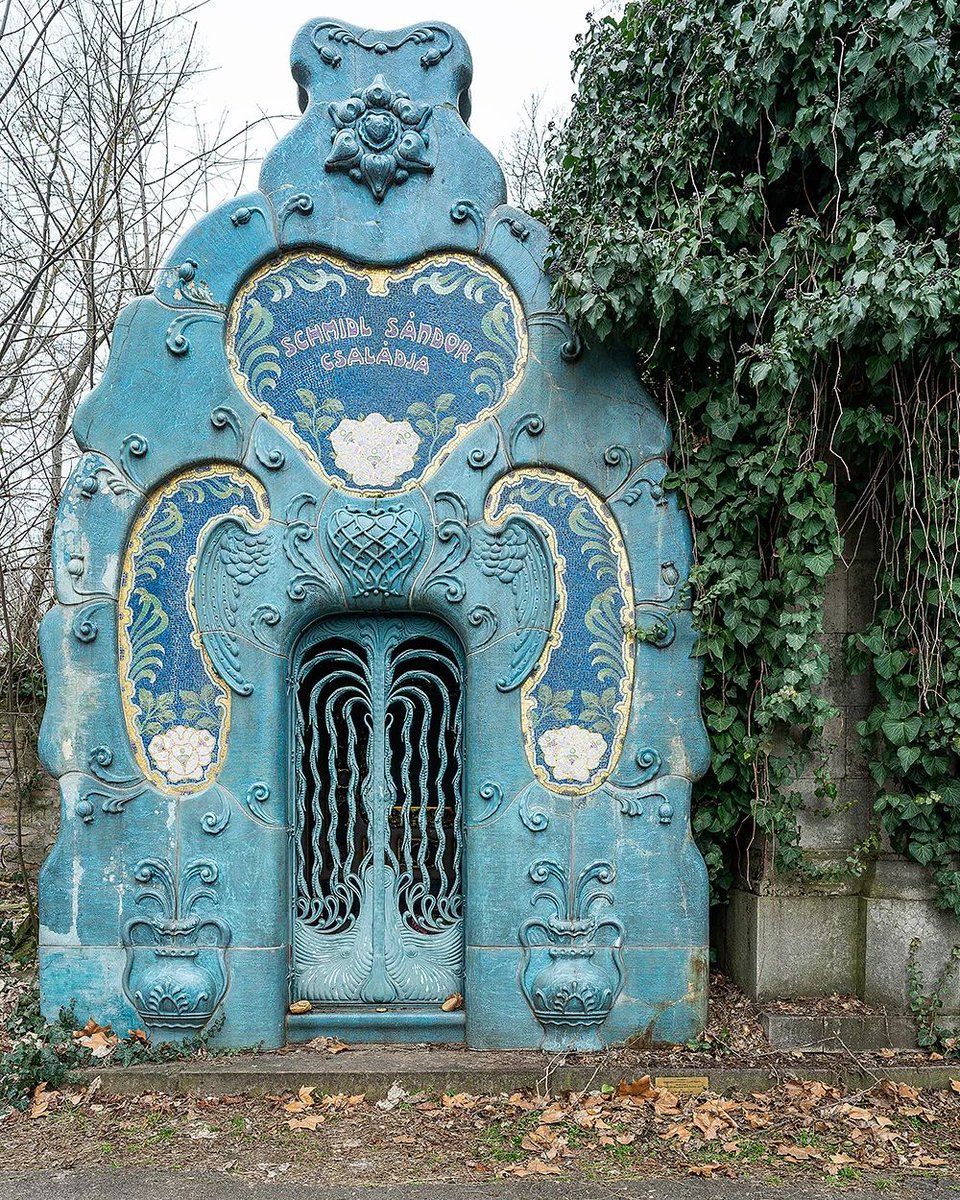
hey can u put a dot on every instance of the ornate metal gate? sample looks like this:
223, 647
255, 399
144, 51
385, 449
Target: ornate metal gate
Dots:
378, 775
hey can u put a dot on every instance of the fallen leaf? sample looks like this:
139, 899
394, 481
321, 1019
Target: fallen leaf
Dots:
41, 1101
798, 1154
311, 1121
298, 1007
708, 1124
303, 1101
100, 1040
552, 1115
395, 1095
641, 1087
666, 1103
452, 1002
534, 1167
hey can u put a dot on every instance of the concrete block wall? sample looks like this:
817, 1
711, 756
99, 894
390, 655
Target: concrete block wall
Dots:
785, 938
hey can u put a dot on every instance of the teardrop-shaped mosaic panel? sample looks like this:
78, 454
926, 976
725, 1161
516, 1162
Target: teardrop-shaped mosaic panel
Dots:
177, 709
575, 704
376, 375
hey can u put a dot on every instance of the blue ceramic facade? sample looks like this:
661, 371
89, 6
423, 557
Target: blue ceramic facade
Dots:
370, 674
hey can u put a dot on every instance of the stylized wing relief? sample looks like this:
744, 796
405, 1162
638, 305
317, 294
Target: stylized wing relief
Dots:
519, 554
231, 556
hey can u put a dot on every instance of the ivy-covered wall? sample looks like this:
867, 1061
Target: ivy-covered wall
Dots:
762, 200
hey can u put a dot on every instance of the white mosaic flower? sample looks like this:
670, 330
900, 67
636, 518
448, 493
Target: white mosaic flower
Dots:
572, 752
182, 753
374, 450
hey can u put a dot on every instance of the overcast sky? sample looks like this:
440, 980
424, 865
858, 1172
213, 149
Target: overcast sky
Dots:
518, 46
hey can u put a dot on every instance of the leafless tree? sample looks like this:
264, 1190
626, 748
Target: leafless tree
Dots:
524, 156
100, 162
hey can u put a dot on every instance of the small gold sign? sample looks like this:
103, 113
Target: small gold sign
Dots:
682, 1085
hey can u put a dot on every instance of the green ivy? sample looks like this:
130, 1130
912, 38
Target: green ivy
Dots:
763, 200
43, 1052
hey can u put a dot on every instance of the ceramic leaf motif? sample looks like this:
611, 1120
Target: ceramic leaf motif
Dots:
376, 375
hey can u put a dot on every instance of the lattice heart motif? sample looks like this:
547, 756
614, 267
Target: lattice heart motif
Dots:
376, 549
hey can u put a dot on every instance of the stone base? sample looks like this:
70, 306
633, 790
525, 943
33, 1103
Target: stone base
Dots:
817, 944
779, 947
898, 907
374, 1070
794, 1031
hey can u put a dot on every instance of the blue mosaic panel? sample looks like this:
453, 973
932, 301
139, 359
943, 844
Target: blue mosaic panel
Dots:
575, 704
377, 375
177, 711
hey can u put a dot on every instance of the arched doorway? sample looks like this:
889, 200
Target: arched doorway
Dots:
377, 793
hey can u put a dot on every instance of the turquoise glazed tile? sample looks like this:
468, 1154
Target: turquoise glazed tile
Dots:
254, 1007
498, 1016
372, 674
90, 980
208, 264
651, 1008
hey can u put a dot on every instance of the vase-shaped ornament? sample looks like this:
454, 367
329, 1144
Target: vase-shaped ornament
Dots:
176, 972
572, 969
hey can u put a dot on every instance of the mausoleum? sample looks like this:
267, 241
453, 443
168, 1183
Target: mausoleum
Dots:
372, 697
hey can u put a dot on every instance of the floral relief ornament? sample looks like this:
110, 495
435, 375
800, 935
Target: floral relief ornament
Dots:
572, 752
182, 753
374, 450
379, 137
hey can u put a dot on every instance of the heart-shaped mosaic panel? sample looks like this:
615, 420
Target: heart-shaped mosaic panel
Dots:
377, 374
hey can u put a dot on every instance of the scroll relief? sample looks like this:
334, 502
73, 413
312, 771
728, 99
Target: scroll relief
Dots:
377, 375
559, 549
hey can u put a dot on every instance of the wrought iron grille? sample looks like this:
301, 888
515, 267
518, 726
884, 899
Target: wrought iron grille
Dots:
378, 776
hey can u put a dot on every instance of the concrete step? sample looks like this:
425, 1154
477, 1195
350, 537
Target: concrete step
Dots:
440, 1070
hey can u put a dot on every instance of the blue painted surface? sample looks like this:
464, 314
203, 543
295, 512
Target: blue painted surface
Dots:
240, 483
